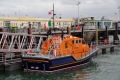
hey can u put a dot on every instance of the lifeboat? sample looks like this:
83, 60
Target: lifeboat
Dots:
59, 53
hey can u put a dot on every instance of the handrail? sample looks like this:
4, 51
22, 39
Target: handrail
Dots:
101, 42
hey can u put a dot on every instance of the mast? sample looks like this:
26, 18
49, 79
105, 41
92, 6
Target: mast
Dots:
53, 15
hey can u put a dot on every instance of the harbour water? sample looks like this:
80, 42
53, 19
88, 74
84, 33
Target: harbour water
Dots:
102, 67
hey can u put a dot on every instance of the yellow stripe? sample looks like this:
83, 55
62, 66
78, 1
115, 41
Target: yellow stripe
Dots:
68, 63
35, 60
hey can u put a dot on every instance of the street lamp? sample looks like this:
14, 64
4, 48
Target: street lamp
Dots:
78, 11
119, 12
60, 16
115, 16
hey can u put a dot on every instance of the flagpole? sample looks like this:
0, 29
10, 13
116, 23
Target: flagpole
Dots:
78, 11
53, 15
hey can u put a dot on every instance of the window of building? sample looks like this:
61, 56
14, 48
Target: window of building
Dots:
59, 23
36, 23
95, 23
39, 24
33, 24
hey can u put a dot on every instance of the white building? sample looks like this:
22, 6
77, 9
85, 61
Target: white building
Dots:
22, 22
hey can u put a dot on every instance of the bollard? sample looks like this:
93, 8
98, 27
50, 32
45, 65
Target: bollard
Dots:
111, 49
104, 51
29, 32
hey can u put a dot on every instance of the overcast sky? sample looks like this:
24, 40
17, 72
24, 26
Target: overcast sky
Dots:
67, 8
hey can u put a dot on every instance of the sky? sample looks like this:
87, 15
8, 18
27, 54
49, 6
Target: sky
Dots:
63, 8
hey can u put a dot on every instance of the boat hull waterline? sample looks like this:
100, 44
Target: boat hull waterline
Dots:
48, 66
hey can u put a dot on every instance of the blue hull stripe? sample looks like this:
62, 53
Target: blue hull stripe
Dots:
53, 65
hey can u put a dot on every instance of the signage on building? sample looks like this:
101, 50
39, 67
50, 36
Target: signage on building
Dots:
118, 24
110, 38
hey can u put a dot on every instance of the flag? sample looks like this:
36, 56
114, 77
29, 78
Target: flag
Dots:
48, 24
44, 26
50, 12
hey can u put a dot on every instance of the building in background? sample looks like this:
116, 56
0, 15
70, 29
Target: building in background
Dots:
23, 22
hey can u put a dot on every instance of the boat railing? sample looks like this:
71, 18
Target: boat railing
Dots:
69, 51
60, 53
54, 53
57, 53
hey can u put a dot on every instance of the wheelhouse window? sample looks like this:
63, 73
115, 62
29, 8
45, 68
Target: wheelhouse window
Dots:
66, 45
77, 41
83, 41
72, 41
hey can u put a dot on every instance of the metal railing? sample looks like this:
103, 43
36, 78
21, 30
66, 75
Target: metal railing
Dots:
60, 53
41, 29
8, 58
25, 30
101, 42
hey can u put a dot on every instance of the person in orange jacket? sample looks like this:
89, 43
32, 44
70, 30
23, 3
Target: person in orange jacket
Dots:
105, 41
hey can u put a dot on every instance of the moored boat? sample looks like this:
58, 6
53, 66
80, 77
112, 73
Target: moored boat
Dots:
59, 53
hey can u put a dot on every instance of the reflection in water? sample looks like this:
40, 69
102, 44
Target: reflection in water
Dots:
76, 74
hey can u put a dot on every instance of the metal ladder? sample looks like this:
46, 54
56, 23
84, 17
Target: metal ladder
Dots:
51, 47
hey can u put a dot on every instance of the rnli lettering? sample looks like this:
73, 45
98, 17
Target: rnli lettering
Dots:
32, 67
36, 67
